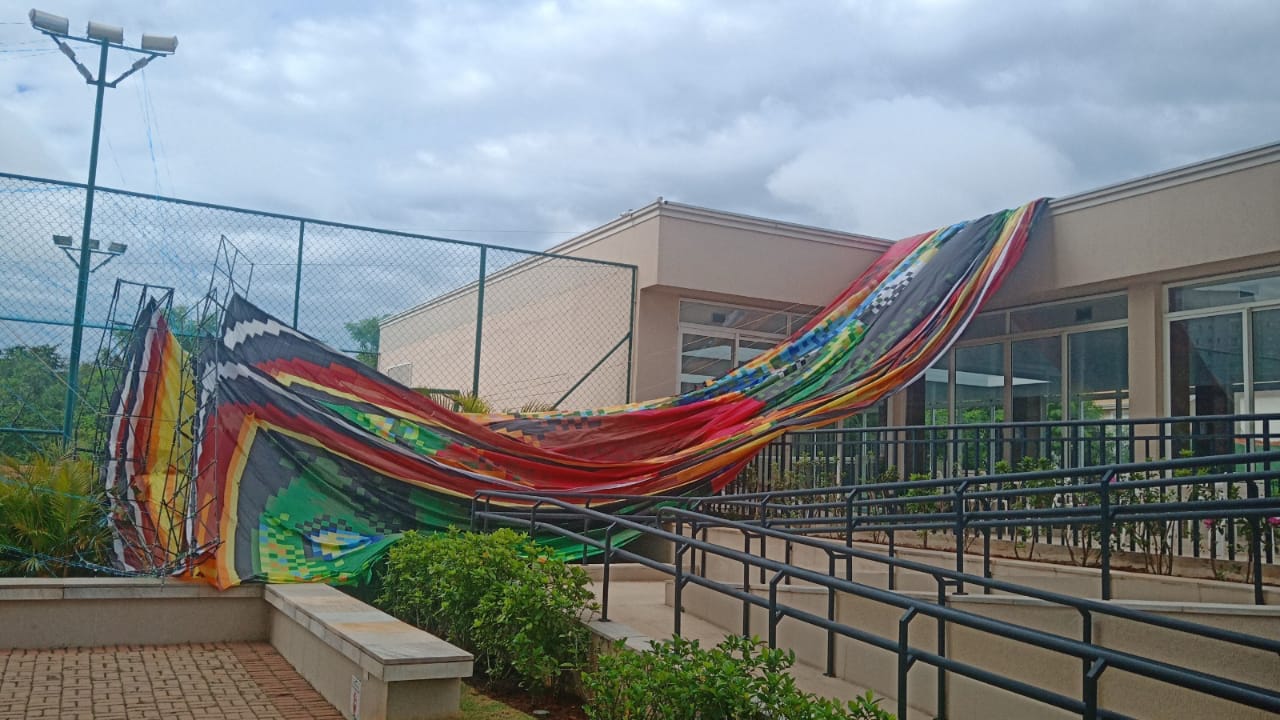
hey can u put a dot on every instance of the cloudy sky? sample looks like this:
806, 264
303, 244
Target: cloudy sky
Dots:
524, 122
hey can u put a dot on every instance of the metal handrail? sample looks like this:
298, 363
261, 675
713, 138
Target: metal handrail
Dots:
1094, 659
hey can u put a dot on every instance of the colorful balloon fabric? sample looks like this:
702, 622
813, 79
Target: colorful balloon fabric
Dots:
307, 465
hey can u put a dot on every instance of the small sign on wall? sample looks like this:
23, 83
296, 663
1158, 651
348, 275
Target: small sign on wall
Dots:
355, 697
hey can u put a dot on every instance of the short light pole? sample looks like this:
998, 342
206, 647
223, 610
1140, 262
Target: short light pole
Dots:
106, 37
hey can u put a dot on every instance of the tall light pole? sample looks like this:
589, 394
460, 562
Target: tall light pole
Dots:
106, 37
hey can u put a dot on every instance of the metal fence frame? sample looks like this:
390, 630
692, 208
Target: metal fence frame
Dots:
836, 456
303, 223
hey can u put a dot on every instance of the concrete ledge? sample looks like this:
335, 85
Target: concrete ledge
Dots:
364, 661
93, 612
625, 572
606, 633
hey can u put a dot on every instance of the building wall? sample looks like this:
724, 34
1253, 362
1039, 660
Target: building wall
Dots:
543, 329
755, 262
1140, 236
546, 323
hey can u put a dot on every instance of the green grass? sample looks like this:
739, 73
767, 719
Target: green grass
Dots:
478, 707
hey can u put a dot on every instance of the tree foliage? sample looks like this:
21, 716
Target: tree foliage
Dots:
365, 334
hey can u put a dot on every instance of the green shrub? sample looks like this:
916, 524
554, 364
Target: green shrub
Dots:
739, 679
501, 596
52, 515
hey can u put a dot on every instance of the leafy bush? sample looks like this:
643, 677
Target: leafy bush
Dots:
739, 679
51, 514
503, 597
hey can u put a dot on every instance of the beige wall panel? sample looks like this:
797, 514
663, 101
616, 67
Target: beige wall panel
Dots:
1229, 221
746, 263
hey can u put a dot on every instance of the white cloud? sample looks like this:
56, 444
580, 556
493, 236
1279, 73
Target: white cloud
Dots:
898, 167
875, 116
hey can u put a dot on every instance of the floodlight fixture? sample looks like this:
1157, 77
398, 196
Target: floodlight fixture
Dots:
62, 240
117, 248
48, 22
102, 31
93, 244
164, 44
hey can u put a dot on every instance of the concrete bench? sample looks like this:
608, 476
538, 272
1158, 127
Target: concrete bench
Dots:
367, 663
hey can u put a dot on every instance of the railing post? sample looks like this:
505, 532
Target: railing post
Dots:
678, 584
773, 608
905, 659
1255, 544
848, 517
831, 616
893, 575
787, 557
746, 585
941, 710
1086, 634
1104, 531
986, 550
764, 523
1091, 688
608, 553
959, 533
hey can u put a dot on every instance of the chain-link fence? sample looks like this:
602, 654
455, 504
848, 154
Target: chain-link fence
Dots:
517, 328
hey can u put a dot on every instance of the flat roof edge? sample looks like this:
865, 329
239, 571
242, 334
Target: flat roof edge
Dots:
667, 208
1181, 175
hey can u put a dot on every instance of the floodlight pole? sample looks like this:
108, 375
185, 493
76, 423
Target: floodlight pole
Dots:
57, 28
82, 282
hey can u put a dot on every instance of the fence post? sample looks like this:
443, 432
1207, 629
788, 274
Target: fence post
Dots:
297, 277
631, 334
475, 368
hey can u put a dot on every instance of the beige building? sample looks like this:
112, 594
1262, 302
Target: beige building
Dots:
1156, 296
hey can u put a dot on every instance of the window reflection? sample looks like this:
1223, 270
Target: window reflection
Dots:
703, 358
1206, 377
1099, 380
980, 384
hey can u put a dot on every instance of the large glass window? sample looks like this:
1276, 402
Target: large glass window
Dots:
1206, 365
1037, 379
715, 339
703, 358
1224, 359
1060, 361
980, 384
1098, 385
1066, 314
1266, 361
1220, 293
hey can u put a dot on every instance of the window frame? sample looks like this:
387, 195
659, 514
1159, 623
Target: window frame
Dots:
1008, 338
734, 334
1244, 309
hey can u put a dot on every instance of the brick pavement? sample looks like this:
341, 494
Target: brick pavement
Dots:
238, 681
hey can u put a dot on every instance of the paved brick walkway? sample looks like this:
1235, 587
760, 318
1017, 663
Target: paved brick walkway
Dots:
173, 682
